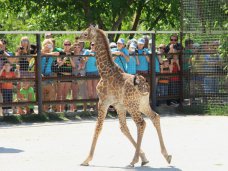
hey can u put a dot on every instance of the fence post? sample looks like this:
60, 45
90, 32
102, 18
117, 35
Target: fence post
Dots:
181, 71
153, 88
39, 76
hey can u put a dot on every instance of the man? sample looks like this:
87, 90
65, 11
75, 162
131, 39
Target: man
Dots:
173, 45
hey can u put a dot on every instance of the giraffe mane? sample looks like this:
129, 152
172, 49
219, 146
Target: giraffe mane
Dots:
105, 42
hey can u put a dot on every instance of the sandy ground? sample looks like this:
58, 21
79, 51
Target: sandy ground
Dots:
197, 143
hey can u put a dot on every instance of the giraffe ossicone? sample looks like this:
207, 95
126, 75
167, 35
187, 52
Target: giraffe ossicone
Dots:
127, 93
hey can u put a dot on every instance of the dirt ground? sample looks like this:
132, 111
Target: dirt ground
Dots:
197, 143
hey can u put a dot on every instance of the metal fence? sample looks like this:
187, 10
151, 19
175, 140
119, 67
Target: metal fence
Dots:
201, 81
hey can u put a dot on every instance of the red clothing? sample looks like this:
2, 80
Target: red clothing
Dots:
7, 85
175, 70
164, 80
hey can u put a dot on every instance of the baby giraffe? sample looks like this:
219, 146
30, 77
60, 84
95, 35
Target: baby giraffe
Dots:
123, 91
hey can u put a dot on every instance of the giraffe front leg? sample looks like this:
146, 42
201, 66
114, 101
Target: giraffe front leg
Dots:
102, 111
126, 132
141, 124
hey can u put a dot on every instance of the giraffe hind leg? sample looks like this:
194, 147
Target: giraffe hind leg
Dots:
155, 118
126, 132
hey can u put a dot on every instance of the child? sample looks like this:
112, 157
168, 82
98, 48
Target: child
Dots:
27, 94
174, 85
163, 82
7, 87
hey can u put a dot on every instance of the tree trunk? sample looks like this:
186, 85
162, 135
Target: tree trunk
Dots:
137, 17
199, 5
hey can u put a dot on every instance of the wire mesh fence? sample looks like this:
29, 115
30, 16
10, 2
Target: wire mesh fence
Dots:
186, 76
206, 83
186, 69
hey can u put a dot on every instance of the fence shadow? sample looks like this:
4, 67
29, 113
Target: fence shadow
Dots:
139, 168
10, 150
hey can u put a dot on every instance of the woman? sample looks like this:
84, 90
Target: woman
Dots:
142, 58
131, 65
46, 63
22, 50
65, 69
78, 65
91, 70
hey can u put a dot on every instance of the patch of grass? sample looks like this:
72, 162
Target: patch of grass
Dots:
218, 110
46, 117
56, 117
14, 119
34, 118
206, 109
199, 109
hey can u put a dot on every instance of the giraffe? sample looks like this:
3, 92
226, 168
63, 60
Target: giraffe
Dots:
126, 93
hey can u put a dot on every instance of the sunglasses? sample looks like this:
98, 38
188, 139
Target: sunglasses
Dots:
173, 40
77, 46
92, 44
66, 44
161, 47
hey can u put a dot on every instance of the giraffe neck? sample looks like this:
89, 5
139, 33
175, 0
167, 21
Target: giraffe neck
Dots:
105, 63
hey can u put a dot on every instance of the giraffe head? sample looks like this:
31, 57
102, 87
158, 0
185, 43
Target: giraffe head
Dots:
89, 34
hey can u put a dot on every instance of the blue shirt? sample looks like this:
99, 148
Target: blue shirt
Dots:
120, 60
157, 63
91, 65
46, 63
211, 63
143, 64
131, 65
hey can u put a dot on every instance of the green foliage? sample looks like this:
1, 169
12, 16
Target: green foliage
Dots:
77, 15
218, 110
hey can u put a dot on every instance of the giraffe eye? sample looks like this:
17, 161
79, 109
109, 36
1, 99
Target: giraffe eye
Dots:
85, 34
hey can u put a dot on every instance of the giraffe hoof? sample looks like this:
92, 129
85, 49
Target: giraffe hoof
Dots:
144, 163
130, 166
169, 158
85, 164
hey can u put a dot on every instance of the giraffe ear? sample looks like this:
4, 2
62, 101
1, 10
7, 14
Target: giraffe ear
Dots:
93, 26
96, 26
136, 80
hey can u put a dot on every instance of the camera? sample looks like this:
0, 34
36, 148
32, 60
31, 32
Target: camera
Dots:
1, 52
22, 48
62, 53
136, 51
33, 49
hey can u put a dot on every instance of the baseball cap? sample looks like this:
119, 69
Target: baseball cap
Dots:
121, 40
141, 41
112, 44
133, 45
133, 40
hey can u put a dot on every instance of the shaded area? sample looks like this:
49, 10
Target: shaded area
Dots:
10, 150
139, 168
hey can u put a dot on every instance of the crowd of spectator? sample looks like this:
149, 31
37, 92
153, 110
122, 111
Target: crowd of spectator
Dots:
132, 56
